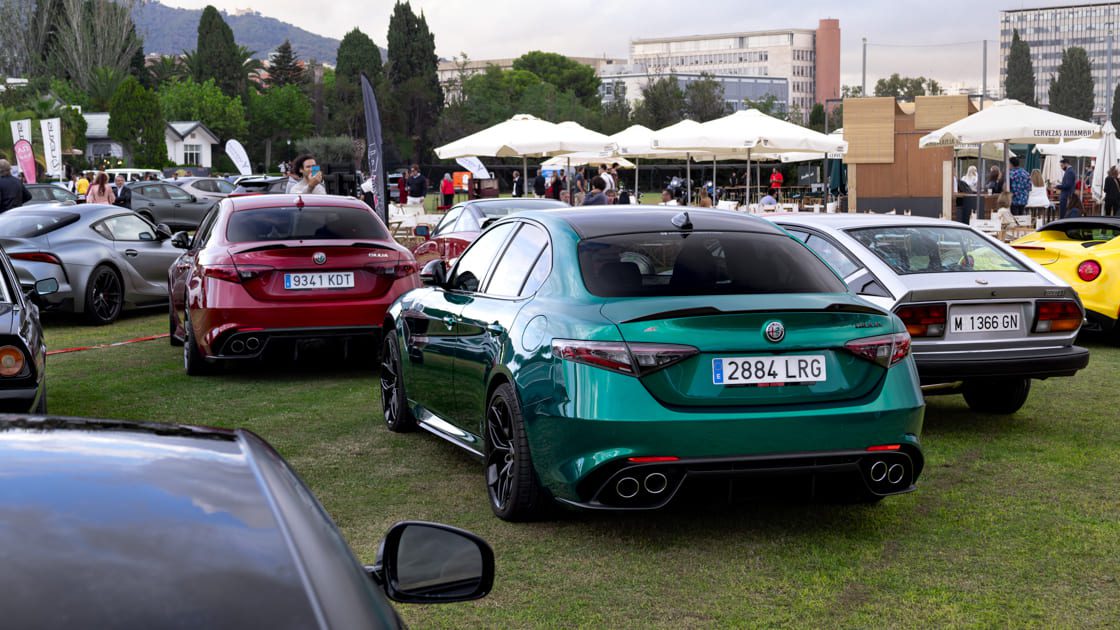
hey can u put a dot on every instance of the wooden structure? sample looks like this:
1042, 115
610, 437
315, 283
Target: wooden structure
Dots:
886, 169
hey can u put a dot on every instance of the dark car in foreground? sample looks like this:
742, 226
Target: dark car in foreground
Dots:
283, 271
23, 353
607, 359
984, 320
105, 259
109, 524
465, 221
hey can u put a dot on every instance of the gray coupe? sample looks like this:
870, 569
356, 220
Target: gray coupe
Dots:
104, 258
984, 320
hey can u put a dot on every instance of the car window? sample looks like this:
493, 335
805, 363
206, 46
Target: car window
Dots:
204, 185
471, 269
467, 222
832, 254
205, 229
305, 222
223, 186
934, 249
129, 227
448, 220
702, 263
539, 273
25, 224
40, 194
177, 194
1087, 231
153, 192
62, 195
510, 272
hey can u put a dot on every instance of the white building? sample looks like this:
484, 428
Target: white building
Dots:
189, 143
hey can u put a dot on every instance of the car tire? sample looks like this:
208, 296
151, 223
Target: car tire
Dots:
172, 339
1000, 396
394, 405
512, 486
104, 296
193, 361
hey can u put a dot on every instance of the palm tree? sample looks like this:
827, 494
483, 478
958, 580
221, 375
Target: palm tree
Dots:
103, 84
251, 68
168, 68
191, 67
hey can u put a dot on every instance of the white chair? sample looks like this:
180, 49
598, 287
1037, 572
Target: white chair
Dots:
790, 207
831, 207
728, 204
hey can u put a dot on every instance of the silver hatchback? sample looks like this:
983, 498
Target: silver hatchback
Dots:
984, 320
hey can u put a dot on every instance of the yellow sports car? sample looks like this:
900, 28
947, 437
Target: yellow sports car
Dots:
1085, 252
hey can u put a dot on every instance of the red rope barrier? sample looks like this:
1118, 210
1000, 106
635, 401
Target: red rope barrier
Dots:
107, 345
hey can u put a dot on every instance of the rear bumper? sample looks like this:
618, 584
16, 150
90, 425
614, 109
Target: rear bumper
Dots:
19, 400
1064, 361
252, 343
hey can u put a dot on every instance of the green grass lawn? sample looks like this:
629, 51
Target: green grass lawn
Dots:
1016, 520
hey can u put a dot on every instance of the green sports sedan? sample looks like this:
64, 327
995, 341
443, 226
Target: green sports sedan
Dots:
617, 358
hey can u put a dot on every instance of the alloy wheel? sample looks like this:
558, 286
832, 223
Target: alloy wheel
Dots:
105, 295
501, 460
390, 402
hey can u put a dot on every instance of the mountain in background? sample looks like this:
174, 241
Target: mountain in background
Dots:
170, 31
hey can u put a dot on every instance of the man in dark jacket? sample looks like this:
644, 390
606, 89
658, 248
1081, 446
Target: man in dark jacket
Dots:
1069, 183
538, 184
13, 193
123, 193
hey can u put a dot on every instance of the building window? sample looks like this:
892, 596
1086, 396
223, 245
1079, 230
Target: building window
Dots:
192, 154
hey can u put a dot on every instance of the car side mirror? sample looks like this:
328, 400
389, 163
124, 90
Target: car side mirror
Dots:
430, 563
163, 232
434, 273
422, 230
181, 240
46, 286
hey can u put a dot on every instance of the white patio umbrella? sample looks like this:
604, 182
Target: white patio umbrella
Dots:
1106, 158
636, 142
576, 133
1083, 148
1052, 170
583, 159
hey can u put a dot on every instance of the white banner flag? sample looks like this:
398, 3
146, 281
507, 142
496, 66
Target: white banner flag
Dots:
475, 166
240, 158
21, 130
52, 145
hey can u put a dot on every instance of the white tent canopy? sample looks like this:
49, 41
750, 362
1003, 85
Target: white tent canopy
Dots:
747, 130
1013, 122
524, 136
1085, 147
583, 159
806, 156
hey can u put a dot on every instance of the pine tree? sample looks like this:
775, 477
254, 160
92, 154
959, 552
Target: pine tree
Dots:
1071, 93
285, 68
135, 119
413, 81
1020, 72
1116, 109
216, 53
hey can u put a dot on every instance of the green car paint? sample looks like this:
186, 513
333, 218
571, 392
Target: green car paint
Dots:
584, 422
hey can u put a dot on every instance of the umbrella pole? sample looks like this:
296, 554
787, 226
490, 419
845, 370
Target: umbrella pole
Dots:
637, 162
714, 186
568, 178
688, 179
1006, 166
524, 175
747, 193
979, 176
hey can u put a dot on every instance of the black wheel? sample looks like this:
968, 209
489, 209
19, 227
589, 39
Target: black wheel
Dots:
394, 405
193, 361
41, 406
1001, 395
175, 341
104, 296
511, 483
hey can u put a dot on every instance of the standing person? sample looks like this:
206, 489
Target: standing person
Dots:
1066, 188
971, 178
596, 197
563, 180
13, 193
447, 189
82, 186
518, 185
555, 186
311, 180
605, 173
124, 195
580, 185
776, 181
667, 198
100, 192
538, 184
1112, 192
994, 184
417, 186
1038, 199
1020, 183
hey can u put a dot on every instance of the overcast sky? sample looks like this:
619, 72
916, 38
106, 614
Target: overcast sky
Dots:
938, 39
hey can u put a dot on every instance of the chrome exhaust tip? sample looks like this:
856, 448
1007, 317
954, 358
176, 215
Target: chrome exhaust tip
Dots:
878, 471
237, 346
656, 483
627, 487
895, 473
252, 343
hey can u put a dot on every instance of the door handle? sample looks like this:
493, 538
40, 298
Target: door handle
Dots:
495, 329
449, 321
131, 253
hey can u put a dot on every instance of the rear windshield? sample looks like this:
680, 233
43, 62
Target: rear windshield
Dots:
934, 249
307, 223
702, 263
1087, 231
30, 224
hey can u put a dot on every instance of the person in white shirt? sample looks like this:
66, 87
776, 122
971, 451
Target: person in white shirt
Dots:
310, 181
667, 199
606, 175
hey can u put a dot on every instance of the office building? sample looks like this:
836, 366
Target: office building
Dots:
809, 59
626, 82
1050, 30
453, 71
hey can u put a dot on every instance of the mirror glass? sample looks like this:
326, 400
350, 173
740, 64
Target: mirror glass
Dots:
434, 272
421, 230
46, 286
437, 562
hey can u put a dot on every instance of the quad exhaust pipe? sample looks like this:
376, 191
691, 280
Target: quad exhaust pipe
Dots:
650, 485
244, 345
886, 474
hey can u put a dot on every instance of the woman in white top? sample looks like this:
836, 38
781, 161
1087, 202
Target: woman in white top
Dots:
1038, 199
971, 178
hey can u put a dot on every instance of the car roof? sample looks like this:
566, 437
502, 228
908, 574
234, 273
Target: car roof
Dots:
846, 220
596, 221
89, 211
1064, 224
257, 202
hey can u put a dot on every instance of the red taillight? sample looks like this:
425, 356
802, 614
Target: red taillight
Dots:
234, 273
394, 270
924, 320
886, 350
1057, 316
636, 359
654, 459
1089, 270
37, 257
884, 447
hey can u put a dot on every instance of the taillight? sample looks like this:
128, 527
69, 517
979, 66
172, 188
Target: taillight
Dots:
234, 273
636, 359
1089, 270
394, 270
653, 459
37, 257
1057, 316
11, 361
924, 320
885, 447
886, 350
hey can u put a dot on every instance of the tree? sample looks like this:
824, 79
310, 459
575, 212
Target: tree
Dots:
616, 112
29, 31
564, 73
165, 69
102, 87
906, 88
356, 54
1116, 109
1071, 93
816, 118
187, 100
216, 56
95, 34
703, 99
280, 113
250, 71
851, 91
1019, 84
662, 103
416, 94
768, 105
285, 68
137, 122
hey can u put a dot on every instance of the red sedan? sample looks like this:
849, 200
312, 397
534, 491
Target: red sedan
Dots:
277, 273
465, 221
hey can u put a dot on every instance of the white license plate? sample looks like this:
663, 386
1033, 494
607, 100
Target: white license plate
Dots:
319, 280
769, 370
985, 322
